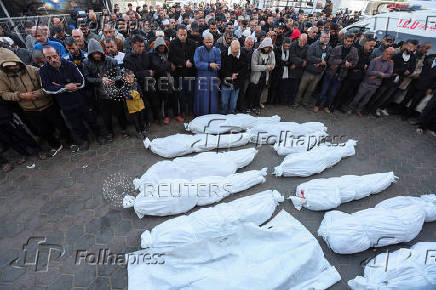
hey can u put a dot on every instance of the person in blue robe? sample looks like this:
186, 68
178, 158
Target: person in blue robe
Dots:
207, 60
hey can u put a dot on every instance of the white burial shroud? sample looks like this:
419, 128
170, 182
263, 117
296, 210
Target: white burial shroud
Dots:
279, 255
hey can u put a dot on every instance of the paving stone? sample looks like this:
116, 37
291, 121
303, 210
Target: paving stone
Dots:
10, 274
119, 278
100, 283
84, 276
63, 282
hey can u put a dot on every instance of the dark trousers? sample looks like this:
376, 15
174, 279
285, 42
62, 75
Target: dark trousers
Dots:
109, 107
242, 103
45, 123
346, 93
169, 103
14, 135
186, 96
274, 92
139, 120
288, 89
382, 97
330, 86
254, 92
427, 120
416, 96
77, 117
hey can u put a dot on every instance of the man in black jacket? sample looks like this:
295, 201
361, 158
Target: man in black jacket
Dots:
181, 56
425, 85
138, 61
351, 83
247, 50
234, 67
101, 71
280, 85
62, 78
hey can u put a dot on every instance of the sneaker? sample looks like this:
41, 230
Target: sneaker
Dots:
144, 134
256, 112
84, 146
166, 121
74, 148
101, 140
179, 119
109, 138
377, 113
316, 109
54, 152
124, 134
384, 112
359, 114
248, 111
349, 112
433, 133
327, 110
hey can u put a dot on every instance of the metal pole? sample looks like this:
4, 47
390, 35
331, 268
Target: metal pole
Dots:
12, 23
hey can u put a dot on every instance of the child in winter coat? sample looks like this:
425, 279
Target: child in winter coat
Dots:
133, 95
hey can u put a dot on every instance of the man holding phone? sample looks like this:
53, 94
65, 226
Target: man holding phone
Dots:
62, 79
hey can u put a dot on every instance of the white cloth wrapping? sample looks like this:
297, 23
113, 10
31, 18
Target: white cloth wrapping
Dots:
272, 133
183, 144
180, 195
283, 254
392, 221
328, 193
200, 165
404, 269
219, 124
212, 221
316, 160
303, 143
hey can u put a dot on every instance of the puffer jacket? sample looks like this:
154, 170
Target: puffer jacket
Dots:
297, 56
26, 80
93, 71
256, 62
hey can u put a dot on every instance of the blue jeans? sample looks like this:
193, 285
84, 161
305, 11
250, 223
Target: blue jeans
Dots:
226, 94
330, 87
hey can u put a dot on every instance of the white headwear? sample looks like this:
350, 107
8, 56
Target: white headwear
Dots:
246, 33
207, 34
165, 22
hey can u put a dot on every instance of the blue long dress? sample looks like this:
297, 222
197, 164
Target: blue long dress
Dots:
207, 81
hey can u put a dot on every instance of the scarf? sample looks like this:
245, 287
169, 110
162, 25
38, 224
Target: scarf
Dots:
285, 57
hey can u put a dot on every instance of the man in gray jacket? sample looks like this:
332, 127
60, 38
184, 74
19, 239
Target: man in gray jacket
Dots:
317, 56
379, 69
342, 58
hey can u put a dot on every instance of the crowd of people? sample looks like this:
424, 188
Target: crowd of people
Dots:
157, 64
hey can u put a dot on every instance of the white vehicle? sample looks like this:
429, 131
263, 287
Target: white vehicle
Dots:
419, 25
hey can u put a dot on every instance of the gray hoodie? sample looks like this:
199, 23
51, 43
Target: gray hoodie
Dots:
256, 61
94, 71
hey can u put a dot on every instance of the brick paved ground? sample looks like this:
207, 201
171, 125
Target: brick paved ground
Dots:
61, 200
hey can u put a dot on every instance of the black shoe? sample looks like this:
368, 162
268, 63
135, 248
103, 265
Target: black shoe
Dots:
147, 128
101, 140
256, 111
248, 111
109, 138
84, 146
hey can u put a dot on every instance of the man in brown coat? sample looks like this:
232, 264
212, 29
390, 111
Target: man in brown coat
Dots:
20, 83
